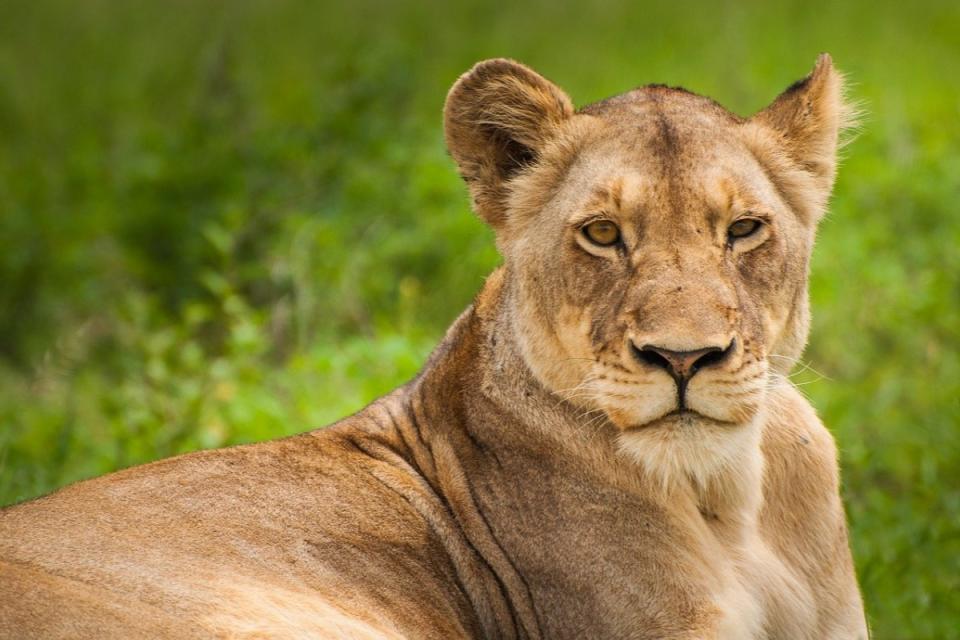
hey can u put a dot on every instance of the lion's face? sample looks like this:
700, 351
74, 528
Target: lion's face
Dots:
655, 244
660, 272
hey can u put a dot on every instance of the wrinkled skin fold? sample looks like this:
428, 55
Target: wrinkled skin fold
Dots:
604, 445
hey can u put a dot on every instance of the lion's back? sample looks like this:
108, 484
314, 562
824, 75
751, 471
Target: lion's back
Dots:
240, 541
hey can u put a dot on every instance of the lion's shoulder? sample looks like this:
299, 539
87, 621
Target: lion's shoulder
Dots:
795, 441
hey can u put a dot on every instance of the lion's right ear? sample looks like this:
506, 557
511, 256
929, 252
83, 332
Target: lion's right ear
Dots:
497, 118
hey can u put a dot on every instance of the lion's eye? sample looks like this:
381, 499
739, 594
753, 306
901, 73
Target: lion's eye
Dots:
602, 232
743, 227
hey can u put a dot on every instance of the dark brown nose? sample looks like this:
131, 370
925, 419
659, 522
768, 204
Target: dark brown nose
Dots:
681, 365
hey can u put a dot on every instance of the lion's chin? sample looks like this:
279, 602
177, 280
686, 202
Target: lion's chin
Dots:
684, 445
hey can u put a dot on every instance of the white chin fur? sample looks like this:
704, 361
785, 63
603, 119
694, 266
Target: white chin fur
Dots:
680, 450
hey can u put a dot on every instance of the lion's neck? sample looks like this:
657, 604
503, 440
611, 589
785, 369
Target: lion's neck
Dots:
510, 412
518, 468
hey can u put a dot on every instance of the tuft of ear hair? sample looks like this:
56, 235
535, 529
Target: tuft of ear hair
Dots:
809, 121
497, 119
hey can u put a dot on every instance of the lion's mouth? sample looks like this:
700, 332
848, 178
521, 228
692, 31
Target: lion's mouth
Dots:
726, 405
683, 418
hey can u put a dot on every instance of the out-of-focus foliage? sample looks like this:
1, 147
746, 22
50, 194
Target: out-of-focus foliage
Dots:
225, 222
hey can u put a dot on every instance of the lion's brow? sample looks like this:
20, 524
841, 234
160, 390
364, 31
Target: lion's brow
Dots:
608, 196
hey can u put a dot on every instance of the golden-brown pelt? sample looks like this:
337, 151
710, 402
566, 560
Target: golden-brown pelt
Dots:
604, 445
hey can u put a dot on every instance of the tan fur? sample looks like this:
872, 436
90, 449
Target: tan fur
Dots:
537, 479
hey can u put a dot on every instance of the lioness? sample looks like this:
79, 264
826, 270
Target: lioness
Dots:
604, 445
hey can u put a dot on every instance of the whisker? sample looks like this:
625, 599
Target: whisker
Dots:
804, 366
581, 389
592, 426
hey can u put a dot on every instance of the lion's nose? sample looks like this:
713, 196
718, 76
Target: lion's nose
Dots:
681, 365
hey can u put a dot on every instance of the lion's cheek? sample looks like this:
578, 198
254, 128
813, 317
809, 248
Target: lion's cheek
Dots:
556, 347
635, 410
725, 404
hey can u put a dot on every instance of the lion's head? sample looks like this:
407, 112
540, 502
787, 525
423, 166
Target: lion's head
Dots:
655, 245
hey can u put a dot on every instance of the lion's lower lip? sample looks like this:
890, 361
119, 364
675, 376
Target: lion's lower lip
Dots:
685, 417
677, 415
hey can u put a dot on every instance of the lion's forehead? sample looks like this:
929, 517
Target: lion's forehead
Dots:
684, 153
705, 181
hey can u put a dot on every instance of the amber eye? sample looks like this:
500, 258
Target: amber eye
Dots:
602, 232
743, 227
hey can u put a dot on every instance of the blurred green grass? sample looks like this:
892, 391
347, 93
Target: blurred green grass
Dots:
225, 222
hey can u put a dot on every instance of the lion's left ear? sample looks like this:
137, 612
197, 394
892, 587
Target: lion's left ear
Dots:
808, 119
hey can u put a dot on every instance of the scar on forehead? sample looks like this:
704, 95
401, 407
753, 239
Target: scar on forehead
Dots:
619, 193
732, 195
608, 196
727, 194
722, 195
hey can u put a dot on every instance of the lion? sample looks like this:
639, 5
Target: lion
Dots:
605, 444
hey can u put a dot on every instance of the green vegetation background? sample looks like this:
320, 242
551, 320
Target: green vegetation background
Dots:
222, 222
